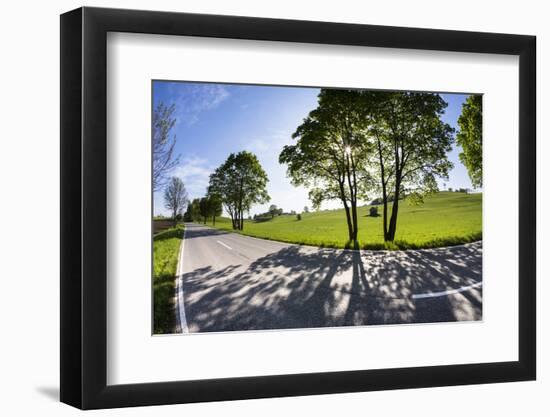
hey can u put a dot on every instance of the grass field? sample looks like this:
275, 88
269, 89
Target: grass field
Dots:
165, 261
445, 219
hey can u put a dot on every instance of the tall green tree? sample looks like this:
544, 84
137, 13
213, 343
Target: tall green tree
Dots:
469, 137
240, 182
411, 143
195, 209
193, 212
175, 197
164, 159
215, 207
204, 208
330, 153
188, 216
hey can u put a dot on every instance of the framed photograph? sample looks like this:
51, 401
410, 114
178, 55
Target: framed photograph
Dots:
258, 208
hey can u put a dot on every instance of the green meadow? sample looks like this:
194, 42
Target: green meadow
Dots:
444, 219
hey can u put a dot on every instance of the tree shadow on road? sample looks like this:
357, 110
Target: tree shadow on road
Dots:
299, 287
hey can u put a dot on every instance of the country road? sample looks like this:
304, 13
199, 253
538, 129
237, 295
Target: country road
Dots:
231, 282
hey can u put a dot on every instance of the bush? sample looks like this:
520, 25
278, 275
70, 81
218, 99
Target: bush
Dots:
373, 211
299, 216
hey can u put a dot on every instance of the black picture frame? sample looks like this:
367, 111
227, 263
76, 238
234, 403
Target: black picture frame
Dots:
84, 207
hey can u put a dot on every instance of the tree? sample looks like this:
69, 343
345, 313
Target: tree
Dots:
175, 197
193, 211
273, 210
240, 182
469, 137
306, 209
196, 209
204, 208
163, 146
215, 207
330, 152
188, 216
411, 145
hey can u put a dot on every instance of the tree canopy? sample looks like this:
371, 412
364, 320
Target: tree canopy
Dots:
239, 182
193, 211
329, 154
273, 210
469, 137
204, 208
175, 197
411, 143
215, 207
209, 206
389, 143
164, 159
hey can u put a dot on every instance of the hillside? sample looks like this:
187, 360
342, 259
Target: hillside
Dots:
445, 219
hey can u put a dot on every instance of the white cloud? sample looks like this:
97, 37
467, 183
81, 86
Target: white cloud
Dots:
258, 146
195, 173
269, 145
193, 99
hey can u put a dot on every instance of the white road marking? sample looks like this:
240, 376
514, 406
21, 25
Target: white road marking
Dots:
179, 290
448, 292
223, 244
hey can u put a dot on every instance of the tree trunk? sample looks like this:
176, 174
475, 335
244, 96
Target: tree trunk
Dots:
354, 203
353, 197
240, 206
385, 214
213, 220
384, 191
354, 221
233, 225
236, 225
393, 221
394, 211
348, 219
395, 205
346, 208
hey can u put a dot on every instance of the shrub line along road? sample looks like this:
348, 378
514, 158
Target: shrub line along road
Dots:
228, 281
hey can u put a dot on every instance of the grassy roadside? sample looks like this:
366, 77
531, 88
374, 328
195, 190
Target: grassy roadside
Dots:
445, 219
166, 247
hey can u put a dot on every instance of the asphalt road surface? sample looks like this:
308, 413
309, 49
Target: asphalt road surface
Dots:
232, 282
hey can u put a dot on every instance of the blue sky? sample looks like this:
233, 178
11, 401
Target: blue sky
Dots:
213, 120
